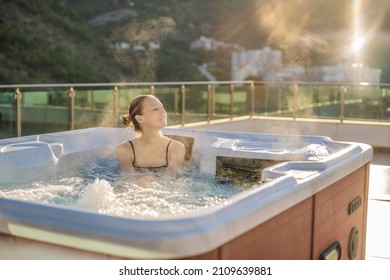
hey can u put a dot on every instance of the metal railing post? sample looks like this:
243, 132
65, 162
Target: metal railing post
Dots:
209, 104
152, 91
231, 101
18, 112
71, 95
183, 104
116, 106
252, 99
176, 101
295, 101
343, 91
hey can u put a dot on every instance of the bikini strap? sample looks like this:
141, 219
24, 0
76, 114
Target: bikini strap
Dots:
132, 147
166, 153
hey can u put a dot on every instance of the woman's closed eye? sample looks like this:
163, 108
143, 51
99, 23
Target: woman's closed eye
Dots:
160, 108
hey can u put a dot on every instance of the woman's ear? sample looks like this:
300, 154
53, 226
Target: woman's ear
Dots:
139, 118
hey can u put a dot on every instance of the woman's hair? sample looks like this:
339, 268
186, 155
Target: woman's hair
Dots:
135, 108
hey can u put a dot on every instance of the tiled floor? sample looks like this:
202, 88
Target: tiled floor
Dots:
378, 218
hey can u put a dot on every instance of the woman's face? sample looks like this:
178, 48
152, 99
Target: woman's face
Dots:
153, 113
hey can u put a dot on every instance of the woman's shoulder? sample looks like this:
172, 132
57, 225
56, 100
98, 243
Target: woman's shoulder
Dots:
177, 148
125, 145
174, 142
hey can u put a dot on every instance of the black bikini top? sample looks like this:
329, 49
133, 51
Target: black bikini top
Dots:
166, 157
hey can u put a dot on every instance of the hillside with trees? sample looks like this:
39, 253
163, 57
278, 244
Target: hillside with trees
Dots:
88, 41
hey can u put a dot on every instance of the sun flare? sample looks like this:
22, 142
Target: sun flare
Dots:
357, 44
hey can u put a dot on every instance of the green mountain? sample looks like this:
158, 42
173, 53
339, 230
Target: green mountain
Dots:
88, 41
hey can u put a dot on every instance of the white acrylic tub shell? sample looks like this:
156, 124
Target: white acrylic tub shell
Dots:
27, 158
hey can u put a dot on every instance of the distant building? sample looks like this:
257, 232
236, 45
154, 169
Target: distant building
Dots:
350, 73
139, 48
153, 46
120, 45
210, 44
124, 46
267, 65
259, 63
291, 72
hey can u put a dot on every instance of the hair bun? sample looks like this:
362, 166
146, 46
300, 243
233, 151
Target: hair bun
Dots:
125, 119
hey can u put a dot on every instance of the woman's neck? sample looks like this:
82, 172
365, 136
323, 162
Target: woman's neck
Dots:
151, 135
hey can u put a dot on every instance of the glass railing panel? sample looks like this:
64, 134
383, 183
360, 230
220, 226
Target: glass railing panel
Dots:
196, 103
7, 114
170, 97
94, 107
221, 102
313, 101
44, 110
48, 108
386, 102
126, 95
305, 98
273, 100
367, 103
241, 101
259, 99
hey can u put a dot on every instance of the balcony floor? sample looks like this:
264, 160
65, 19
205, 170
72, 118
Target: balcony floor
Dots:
378, 227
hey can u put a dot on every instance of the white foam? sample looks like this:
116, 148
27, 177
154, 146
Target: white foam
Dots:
97, 196
39, 192
102, 190
315, 152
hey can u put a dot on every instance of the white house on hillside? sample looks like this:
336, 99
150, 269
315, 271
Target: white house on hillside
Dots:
350, 73
259, 63
210, 44
267, 64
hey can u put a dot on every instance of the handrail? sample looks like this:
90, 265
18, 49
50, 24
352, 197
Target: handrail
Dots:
209, 89
179, 83
135, 84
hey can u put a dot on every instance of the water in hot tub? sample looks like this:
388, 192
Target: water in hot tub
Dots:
100, 187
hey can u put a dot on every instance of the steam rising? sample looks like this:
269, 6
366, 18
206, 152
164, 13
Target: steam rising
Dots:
290, 35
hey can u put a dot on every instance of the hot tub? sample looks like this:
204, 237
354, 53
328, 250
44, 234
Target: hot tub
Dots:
305, 198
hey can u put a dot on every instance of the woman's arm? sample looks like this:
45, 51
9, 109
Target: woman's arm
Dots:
176, 157
125, 157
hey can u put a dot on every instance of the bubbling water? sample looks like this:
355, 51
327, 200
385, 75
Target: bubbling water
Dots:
102, 188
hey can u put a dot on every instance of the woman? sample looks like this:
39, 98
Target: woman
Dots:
150, 149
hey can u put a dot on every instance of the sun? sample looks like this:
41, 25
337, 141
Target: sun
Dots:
357, 44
